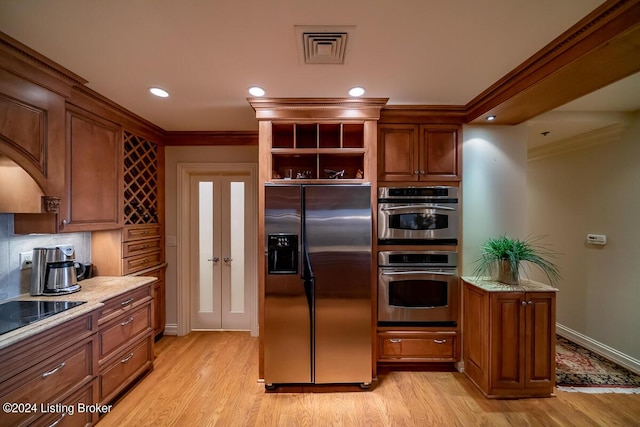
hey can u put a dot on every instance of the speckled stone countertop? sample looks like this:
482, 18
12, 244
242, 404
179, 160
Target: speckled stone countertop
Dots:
525, 285
94, 291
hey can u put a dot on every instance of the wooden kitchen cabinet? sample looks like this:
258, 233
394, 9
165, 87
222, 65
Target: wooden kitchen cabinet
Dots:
408, 152
49, 367
94, 179
509, 340
125, 340
417, 346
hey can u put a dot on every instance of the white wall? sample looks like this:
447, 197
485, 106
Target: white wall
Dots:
190, 154
494, 164
592, 186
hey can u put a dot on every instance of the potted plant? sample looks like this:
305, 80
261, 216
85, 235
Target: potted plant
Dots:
502, 258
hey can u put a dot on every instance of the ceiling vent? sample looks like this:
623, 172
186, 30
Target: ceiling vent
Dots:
323, 44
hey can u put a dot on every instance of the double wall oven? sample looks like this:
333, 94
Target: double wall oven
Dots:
418, 287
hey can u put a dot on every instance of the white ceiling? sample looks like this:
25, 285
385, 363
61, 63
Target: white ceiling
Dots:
206, 53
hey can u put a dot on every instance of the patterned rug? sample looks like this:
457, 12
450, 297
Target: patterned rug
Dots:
578, 369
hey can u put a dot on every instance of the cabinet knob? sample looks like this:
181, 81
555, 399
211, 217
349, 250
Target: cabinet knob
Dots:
423, 173
416, 172
524, 303
214, 259
227, 259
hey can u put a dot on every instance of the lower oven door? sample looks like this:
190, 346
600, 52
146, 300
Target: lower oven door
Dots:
403, 222
419, 296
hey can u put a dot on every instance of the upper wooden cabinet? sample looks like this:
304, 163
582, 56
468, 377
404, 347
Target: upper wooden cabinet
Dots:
408, 152
94, 177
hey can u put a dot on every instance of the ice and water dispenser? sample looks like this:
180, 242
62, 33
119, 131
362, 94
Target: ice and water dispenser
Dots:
282, 252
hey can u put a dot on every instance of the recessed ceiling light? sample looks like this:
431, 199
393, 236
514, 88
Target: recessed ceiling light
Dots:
159, 92
256, 91
491, 118
356, 91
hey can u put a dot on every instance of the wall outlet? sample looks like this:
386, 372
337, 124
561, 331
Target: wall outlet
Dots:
26, 260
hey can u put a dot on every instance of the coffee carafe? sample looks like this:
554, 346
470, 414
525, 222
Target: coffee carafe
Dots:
53, 271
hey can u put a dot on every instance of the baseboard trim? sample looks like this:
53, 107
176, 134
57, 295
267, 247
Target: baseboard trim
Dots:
597, 347
171, 329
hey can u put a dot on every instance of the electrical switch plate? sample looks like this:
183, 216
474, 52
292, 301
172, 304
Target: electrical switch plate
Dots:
26, 260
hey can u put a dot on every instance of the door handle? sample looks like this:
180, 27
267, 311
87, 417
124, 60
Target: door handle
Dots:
214, 259
227, 259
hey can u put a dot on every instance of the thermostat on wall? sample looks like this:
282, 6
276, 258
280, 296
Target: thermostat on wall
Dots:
597, 239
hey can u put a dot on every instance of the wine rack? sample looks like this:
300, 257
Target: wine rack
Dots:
140, 180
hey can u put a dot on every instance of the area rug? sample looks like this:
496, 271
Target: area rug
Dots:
580, 370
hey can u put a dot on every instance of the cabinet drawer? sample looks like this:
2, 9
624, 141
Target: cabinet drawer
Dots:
123, 329
432, 347
129, 364
139, 247
138, 232
87, 395
137, 263
124, 303
49, 379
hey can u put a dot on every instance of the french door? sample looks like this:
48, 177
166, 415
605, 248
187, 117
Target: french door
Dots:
218, 244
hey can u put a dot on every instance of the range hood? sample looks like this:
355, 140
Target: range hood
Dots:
19, 192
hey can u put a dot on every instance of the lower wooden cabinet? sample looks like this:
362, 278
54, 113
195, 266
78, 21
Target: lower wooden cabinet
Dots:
42, 370
120, 371
125, 339
417, 346
509, 341
77, 410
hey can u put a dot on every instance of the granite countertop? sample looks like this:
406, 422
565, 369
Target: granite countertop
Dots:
94, 291
525, 285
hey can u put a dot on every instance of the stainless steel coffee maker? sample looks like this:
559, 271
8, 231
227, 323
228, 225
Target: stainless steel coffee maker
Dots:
54, 271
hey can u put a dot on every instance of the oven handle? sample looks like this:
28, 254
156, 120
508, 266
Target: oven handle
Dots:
399, 273
418, 206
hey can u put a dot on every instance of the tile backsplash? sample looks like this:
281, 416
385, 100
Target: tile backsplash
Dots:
13, 281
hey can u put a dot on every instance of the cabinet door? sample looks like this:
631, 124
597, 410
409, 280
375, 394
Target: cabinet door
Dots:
94, 173
439, 158
398, 152
507, 326
541, 339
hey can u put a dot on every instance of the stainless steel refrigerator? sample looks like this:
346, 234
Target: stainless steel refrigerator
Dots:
317, 306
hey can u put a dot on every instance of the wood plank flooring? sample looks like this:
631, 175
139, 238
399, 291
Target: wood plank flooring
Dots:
210, 378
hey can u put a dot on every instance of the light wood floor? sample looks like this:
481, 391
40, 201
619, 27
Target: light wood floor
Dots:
210, 378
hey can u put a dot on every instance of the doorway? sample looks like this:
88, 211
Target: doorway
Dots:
217, 261
217, 235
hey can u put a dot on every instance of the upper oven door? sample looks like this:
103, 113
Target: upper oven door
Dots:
422, 221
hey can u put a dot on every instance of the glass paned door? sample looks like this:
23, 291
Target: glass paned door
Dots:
218, 219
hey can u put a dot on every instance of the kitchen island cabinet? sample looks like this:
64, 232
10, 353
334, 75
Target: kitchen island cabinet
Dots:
509, 338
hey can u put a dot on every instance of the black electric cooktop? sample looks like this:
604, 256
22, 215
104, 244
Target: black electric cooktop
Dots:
16, 314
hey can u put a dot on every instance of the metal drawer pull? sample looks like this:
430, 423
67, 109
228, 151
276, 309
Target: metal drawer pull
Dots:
126, 322
126, 359
439, 341
395, 340
56, 422
54, 370
127, 302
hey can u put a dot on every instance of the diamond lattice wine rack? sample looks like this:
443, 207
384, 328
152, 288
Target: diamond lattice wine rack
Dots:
140, 180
